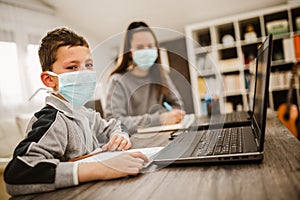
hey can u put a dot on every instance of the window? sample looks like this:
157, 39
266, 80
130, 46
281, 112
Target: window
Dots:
15, 89
10, 86
20, 33
33, 68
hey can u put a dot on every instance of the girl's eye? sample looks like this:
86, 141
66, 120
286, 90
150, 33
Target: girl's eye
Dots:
89, 65
150, 46
140, 47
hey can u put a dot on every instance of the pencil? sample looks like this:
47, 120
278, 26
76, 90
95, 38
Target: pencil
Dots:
85, 156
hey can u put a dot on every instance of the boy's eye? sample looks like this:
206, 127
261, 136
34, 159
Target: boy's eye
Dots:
72, 67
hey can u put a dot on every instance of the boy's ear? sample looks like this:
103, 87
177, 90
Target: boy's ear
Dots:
49, 81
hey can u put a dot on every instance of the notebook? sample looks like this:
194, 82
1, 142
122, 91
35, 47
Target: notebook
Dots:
184, 124
244, 143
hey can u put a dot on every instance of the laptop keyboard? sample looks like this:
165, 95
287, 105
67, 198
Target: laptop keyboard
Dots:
221, 141
237, 116
231, 117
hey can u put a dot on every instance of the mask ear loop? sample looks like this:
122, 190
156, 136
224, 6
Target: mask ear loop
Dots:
52, 73
45, 89
37, 91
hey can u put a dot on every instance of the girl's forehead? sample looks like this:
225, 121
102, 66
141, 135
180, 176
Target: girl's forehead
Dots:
142, 37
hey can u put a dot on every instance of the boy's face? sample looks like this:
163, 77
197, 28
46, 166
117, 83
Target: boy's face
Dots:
70, 59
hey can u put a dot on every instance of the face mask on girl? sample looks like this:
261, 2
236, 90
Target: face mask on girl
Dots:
76, 87
144, 58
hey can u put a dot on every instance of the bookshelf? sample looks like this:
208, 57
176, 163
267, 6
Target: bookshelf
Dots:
222, 52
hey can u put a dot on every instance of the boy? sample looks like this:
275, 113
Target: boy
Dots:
64, 129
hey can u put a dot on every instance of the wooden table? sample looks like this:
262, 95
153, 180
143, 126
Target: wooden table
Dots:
277, 177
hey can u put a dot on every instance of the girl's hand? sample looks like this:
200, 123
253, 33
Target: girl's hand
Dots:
172, 117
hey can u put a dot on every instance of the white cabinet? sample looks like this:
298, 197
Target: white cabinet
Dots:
221, 55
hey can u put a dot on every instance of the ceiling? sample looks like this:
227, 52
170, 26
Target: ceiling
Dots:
103, 19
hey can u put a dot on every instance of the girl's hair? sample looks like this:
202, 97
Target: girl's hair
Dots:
53, 40
125, 59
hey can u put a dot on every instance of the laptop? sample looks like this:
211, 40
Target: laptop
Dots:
244, 143
236, 118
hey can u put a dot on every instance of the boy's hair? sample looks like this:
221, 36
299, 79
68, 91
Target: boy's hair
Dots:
53, 40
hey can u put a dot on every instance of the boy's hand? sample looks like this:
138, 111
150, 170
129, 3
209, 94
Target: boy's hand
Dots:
122, 165
117, 142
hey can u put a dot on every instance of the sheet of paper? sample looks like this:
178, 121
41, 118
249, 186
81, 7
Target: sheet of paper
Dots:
149, 152
185, 123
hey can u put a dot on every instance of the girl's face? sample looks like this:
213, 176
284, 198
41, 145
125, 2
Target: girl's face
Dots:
143, 51
142, 40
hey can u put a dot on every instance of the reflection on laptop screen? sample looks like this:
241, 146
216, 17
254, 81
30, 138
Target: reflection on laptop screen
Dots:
262, 85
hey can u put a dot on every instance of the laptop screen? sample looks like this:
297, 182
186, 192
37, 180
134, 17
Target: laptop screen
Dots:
263, 63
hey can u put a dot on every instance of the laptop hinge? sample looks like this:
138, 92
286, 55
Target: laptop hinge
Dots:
255, 135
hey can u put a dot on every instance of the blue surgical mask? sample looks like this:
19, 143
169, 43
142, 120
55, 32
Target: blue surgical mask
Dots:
77, 87
144, 58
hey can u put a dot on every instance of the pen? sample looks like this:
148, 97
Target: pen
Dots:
167, 106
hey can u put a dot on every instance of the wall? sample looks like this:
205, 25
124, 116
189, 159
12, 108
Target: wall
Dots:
180, 74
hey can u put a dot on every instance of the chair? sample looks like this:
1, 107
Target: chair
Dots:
95, 105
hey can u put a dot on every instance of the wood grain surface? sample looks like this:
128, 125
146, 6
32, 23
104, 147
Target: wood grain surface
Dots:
276, 177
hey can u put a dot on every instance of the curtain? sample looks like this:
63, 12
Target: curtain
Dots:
21, 30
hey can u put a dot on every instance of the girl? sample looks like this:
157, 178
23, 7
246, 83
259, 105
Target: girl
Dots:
139, 86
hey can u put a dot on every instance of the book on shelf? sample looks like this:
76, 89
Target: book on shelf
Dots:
232, 83
205, 64
202, 86
203, 108
201, 62
229, 64
297, 46
288, 49
212, 85
274, 77
280, 80
247, 79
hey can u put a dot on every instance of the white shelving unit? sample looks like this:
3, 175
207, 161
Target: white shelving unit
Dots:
220, 55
